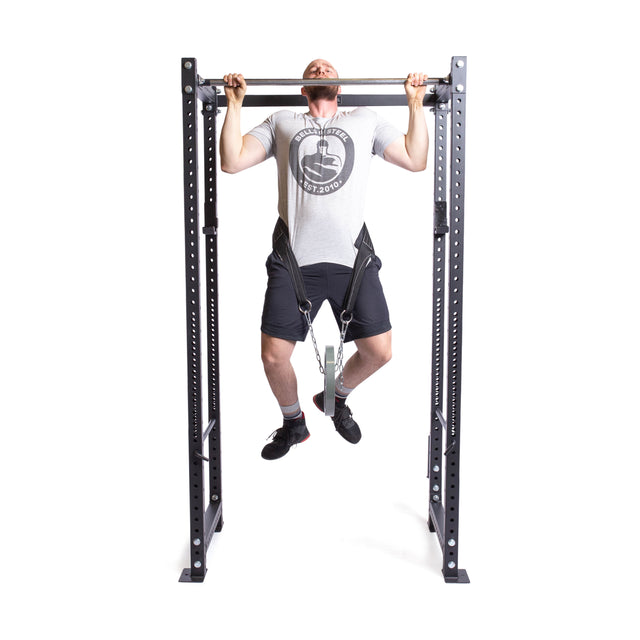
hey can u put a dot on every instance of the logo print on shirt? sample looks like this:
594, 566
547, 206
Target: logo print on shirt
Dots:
321, 159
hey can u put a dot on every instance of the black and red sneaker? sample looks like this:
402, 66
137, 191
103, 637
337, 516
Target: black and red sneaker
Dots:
292, 432
345, 425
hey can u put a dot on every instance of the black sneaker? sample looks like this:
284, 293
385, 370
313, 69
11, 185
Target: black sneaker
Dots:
345, 425
292, 432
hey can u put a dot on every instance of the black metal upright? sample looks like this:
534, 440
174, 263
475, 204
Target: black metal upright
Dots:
210, 231
448, 100
438, 293
205, 502
444, 465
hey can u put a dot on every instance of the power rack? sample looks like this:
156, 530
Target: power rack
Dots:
447, 100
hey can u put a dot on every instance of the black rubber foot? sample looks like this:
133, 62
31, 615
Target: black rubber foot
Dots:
461, 578
186, 576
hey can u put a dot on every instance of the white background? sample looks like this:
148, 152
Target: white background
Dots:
330, 541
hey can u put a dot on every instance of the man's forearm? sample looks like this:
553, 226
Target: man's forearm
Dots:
417, 138
231, 138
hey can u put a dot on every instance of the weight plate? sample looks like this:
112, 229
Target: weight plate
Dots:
329, 381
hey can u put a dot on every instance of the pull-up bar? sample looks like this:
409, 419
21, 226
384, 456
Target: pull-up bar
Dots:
323, 82
209, 92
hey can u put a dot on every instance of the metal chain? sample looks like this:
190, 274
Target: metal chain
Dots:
307, 315
343, 334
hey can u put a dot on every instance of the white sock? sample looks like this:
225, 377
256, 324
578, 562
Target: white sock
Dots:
341, 390
292, 411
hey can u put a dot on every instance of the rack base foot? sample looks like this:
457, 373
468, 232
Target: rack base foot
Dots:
187, 577
461, 578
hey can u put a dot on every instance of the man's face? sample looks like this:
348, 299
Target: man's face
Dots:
320, 69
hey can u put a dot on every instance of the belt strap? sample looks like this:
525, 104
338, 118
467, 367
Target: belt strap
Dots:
364, 256
282, 249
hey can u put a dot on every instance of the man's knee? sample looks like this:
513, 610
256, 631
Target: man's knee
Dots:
377, 350
382, 355
275, 352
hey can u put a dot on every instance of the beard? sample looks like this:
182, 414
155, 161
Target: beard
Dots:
322, 93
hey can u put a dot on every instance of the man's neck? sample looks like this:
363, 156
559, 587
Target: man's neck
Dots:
323, 108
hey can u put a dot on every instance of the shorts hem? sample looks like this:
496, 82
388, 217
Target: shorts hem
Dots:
369, 333
274, 333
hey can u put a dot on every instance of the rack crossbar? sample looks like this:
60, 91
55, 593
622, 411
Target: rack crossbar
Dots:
211, 520
209, 95
210, 427
353, 100
441, 420
437, 518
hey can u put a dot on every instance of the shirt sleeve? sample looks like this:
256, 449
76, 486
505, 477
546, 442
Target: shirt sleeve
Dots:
385, 133
266, 135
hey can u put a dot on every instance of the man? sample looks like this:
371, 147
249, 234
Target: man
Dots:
323, 160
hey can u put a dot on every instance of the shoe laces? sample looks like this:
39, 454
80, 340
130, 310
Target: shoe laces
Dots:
277, 434
343, 416
285, 434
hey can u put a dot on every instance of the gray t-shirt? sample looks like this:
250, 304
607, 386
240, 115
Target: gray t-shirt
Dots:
323, 166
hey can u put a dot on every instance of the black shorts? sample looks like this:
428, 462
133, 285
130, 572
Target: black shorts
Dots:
281, 317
